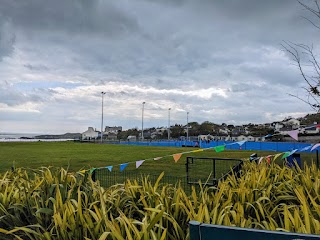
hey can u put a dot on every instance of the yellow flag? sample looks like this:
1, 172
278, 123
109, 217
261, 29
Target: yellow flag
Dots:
82, 171
198, 150
276, 156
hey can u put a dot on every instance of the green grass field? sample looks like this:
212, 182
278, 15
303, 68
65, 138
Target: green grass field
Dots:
78, 156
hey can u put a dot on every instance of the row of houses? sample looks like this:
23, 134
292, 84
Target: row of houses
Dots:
294, 124
247, 138
109, 133
282, 127
225, 132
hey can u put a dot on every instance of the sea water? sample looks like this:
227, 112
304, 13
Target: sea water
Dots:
26, 137
17, 135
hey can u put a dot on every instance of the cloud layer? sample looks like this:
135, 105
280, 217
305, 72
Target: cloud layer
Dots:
220, 61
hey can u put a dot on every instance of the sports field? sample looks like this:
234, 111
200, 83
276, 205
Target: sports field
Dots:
76, 156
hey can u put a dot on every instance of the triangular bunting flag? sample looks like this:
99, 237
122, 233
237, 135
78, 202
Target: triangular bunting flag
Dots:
315, 146
157, 158
109, 168
268, 135
268, 159
219, 148
198, 150
138, 163
92, 169
177, 156
260, 160
82, 171
293, 151
294, 134
276, 156
286, 154
305, 148
241, 143
123, 166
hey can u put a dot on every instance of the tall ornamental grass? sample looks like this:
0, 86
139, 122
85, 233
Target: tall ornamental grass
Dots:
57, 204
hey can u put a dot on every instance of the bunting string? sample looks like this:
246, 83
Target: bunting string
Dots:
220, 148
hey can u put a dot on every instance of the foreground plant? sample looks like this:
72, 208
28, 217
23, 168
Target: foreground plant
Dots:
56, 204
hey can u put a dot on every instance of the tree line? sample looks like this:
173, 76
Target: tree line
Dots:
196, 129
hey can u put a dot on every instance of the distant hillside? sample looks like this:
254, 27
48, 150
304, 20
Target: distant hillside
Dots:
310, 119
61, 136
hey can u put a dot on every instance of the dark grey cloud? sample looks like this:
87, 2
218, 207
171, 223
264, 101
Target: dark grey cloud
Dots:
180, 40
7, 38
35, 67
220, 60
72, 16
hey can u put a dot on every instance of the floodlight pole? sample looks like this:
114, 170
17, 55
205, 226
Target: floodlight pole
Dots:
102, 94
142, 121
187, 126
169, 123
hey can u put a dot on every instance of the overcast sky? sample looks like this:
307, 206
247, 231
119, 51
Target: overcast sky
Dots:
221, 61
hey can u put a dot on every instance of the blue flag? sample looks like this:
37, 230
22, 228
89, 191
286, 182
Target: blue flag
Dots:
123, 166
109, 168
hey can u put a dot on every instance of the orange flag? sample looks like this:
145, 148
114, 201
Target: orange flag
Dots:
177, 156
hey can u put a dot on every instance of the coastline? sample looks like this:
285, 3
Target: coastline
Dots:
31, 137
33, 140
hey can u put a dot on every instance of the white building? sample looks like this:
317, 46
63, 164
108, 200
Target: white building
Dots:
312, 130
205, 137
131, 138
158, 132
292, 122
224, 131
115, 129
90, 134
244, 138
277, 126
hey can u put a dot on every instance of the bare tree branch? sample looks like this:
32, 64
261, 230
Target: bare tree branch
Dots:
296, 57
316, 11
301, 99
306, 60
311, 22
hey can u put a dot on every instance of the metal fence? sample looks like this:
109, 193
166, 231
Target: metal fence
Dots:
210, 170
196, 174
108, 179
262, 146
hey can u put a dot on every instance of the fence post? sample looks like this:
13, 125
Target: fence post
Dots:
194, 228
187, 168
214, 168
